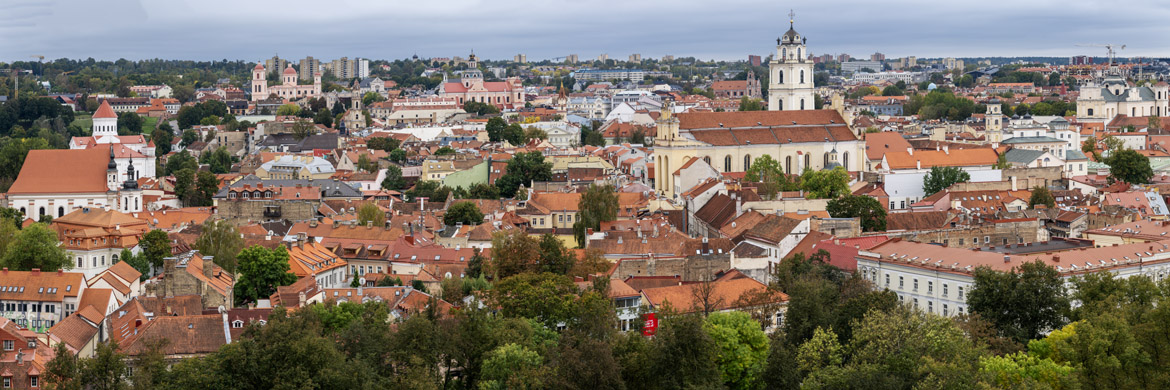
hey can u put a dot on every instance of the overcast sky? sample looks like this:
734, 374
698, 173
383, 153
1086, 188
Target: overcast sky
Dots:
499, 29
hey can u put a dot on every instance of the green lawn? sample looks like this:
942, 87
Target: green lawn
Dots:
84, 121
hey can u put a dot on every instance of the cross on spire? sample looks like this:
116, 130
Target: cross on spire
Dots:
791, 17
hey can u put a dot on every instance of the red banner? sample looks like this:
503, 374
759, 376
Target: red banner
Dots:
649, 324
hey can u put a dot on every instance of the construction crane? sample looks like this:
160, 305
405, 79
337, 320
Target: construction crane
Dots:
1108, 49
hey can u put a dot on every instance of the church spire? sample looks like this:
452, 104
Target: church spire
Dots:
791, 18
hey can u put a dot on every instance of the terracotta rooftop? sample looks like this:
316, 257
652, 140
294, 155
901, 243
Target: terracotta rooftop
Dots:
54, 171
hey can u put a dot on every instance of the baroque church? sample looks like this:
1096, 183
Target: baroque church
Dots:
792, 132
1113, 95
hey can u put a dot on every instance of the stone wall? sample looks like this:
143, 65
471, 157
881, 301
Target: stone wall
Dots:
1014, 232
690, 268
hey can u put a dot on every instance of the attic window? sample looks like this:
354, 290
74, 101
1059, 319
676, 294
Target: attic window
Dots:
237, 324
41, 290
68, 287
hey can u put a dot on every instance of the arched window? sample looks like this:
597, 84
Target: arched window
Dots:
807, 160
80, 262
801, 104
802, 76
788, 165
798, 54
60, 211
747, 162
783, 53
825, 164
780, 77
22, 212
42, 212
727, 163
779, 104
114, 259
707, 160
845, 160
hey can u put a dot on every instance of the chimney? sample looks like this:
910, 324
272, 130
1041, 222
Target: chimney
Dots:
946, 149
1056, 258
918, 164
738, 206
910, 150
1014, 183
301, 299
208, 263
1007, 259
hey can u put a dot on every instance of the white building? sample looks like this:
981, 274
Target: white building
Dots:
938, 279
791, 84
57, 182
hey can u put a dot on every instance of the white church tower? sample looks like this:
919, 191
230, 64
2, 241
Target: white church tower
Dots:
790, 86
105, 121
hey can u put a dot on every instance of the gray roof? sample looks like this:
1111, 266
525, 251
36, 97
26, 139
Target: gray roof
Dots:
1022, 156
1073, 154
329, 188
1144, 94
1030, 140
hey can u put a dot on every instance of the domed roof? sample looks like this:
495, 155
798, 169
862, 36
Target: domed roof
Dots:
931, 87
791, 34
259, 66
290, 71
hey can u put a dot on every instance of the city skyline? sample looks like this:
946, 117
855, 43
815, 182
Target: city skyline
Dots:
218, 29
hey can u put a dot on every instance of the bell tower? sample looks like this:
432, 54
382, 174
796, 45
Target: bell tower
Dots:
790, 86
993, 121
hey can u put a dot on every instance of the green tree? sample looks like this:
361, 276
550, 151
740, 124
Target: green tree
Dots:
445, 151
685, 356
892, 90
189, 137
104, 370
370, 213
767, 171
554, 257
398, 156
206, 185
871, 213
365, 164
261, 271
302, 129
162, 137
1113, 143
940, 178
821, 351
129, 123
513, 366
546, 297
155, 245
514, 134
1041, 195
1022, 303
221, 240
36, 246
495, 129
742, 348
483, 191
371, 98
466, 212
433, 190
385, 144
1023, 370
598, 204
180, 161
324, 118
288, 110
829, 184
522, 170
63, 372
219, 161
393, 179
750, 104
1129, 166
513, 252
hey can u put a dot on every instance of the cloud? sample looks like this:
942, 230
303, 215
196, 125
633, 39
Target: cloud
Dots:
249, 30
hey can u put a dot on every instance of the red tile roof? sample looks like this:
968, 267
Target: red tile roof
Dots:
105, 111
63, 171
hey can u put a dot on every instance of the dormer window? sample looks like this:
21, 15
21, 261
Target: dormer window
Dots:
237, 324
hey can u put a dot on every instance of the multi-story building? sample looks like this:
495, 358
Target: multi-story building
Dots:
36, 299
520, 59
294, 167
938, 279
57, 182
635, 58
95, 238
1101, 101
877, 57
892, 76
308, 259
855, 67
754, 60
635, 75
309, 67
736, 89
274, 64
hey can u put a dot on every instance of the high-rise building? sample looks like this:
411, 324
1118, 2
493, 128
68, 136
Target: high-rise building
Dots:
571, 59
603, 57
878, 56
1080, 60
754, 60
520, 58
346, 69
844, 57
635, 58
309, 67
911, 61
275, 64
667, 58
363, 68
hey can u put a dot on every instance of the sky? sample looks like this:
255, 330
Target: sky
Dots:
498, 29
